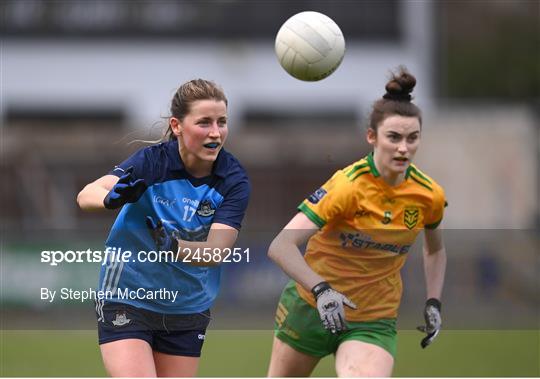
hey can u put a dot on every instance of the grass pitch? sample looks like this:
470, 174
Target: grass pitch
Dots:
246, 353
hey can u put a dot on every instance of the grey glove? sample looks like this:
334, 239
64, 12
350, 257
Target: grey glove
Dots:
330, 306
432, 316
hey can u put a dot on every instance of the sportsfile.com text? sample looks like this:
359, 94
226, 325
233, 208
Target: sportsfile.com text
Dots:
112, 255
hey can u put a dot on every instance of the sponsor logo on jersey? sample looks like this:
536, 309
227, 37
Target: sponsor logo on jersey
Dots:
410, 217
188, 201
205, 209
387, 217
201, 336
164, 201
316, 196
363, 241
121, 319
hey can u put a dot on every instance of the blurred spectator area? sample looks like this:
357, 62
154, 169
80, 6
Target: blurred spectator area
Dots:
188, 19
489, 170
48, 157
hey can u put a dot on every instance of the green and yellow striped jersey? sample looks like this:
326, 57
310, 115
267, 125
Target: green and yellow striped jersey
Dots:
366, 229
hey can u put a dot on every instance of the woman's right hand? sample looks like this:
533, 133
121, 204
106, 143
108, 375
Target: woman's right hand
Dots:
126, 190
330, 304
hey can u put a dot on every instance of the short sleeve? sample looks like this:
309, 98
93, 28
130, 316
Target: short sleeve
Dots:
233, 208
139, 161
331, 201
436, 213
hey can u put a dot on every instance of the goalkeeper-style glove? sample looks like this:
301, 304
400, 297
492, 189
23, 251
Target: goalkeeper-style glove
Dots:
432, 316
163, 239
126, 190
330, 306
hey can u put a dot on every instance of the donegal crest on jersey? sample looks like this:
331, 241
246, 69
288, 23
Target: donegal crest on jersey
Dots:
410, 217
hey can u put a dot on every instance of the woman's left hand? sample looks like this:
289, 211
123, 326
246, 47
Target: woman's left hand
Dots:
163, 239
432, 316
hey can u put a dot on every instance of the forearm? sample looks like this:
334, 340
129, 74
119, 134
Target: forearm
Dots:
212, 252
288, 256
202, 254
91, 197
434, 269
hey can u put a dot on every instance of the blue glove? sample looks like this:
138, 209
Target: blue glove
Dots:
126, 190
164, 241
432, 316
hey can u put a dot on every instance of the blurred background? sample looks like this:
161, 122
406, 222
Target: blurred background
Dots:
81, 79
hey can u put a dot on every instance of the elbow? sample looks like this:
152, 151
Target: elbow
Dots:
276, 249
80, 197
83, 199
272, 251
91, 197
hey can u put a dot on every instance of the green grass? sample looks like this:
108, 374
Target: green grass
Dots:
246, 353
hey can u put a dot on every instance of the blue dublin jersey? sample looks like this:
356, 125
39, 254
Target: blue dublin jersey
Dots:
187, 206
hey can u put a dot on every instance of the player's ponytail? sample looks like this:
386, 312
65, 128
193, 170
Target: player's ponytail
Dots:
396, 100
400, 86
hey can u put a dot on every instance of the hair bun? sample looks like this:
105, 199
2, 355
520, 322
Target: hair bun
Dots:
400, 86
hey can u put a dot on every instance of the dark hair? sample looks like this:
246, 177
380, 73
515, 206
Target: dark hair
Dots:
188, 93
396, 100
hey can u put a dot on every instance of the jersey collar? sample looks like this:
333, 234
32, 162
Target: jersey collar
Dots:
371, 164
219, 168
374, 170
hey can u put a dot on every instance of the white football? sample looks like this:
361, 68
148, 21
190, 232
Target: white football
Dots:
310, 46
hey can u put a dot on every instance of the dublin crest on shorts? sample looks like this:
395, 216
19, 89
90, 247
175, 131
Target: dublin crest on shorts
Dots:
121, 319
410, 217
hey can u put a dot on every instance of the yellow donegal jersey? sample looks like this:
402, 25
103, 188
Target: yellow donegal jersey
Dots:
366, 230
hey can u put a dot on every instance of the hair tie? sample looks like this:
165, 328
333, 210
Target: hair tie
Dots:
397, 96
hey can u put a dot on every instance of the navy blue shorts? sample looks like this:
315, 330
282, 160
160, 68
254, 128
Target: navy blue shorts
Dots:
166, 333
